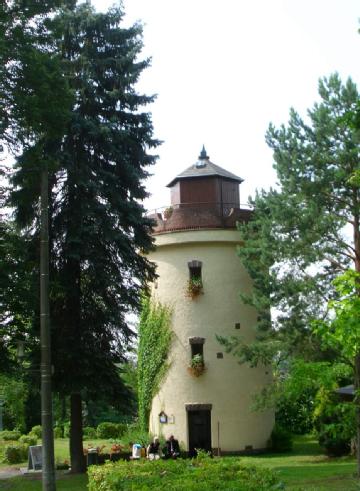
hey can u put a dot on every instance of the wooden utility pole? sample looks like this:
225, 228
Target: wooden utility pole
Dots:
48, 469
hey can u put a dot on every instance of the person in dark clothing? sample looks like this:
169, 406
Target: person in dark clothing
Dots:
153, 450
172, 449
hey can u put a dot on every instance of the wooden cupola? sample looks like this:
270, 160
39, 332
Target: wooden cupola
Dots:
206, 185
203, 196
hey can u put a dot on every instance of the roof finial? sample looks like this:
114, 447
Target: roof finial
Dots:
203, 154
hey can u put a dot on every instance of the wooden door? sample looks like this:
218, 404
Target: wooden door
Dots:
199, 424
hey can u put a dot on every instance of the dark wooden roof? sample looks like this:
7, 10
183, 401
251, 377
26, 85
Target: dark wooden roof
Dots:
204, 168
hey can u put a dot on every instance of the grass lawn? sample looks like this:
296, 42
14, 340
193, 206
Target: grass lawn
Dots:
61, 450
306, 468
66, 482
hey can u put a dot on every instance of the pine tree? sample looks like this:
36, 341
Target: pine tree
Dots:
306, 231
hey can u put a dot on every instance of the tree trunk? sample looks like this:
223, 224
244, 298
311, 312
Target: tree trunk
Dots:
357, 403
78, 464
356, 238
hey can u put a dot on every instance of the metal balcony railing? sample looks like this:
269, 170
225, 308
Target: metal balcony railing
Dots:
219, 209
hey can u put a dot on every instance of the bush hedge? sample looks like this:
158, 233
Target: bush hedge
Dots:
67, 430
335, 422
30, 439
281, 440
36, 430
58, 432
8, 435
89, 433
16, 453
122, 429
334, 446
183, 475
111, 430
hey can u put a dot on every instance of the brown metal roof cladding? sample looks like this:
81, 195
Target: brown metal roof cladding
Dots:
204, 168
198, 218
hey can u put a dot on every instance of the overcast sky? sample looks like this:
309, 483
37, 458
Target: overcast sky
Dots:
224, 70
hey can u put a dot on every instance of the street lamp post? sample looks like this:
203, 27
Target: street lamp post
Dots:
48, 475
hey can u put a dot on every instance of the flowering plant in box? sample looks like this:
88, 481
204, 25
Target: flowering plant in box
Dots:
116, 448
197, 365
194, 287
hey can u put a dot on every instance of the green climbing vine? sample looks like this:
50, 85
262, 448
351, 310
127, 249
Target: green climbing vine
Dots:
154, 344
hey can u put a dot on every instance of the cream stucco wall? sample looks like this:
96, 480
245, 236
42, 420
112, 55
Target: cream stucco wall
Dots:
228, 386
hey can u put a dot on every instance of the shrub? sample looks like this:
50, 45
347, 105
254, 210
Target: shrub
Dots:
295, 411
135, 434
280, 440
15, 454
10, 435
36, 430
89, 433
107, 430
62, 466
58, 432
183, 475
66, 430
334, 446
335, 423
121, 428
29, 439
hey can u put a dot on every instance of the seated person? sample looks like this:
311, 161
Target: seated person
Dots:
172, 449
153, 450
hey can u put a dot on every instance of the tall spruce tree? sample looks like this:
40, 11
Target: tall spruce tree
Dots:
26, 51
306, 231
98, 231
31, 86
30, 68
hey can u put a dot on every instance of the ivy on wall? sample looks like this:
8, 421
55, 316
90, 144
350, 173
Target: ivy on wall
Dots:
154, 344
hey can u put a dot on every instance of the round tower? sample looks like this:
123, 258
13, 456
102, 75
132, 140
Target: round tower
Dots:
206, 397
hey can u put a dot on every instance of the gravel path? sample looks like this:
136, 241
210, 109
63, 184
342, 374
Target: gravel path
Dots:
9, 472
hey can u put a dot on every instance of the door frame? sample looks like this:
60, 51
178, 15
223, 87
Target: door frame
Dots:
197, 407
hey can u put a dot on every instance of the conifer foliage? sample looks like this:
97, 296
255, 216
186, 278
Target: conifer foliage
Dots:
305, 231
98, 232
